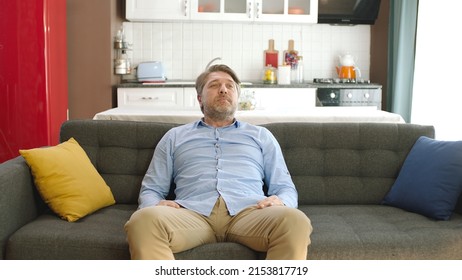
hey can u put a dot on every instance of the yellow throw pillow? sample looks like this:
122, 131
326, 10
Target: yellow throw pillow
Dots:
67, 180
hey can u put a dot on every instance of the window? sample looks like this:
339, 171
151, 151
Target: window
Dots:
437, 93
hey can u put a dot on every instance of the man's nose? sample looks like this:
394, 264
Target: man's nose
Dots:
223, 89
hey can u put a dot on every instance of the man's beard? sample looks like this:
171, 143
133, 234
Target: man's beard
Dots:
220, 112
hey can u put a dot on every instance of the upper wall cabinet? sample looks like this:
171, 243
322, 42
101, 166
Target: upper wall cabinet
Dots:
157, 10
297, 11
300, 11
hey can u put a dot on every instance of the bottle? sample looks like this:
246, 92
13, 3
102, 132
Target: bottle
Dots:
290, 55
300, 70
291, 58
271, 55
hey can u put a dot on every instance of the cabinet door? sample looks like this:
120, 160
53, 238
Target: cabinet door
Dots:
190, 99
284, 99
153, 10
222, 10
162, 98
299, 11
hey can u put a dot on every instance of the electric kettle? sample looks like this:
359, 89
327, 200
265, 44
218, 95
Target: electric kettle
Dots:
347, 68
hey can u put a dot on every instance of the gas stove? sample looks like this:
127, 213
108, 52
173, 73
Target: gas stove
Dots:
340, 81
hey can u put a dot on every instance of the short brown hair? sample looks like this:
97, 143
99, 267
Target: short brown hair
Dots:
202, 78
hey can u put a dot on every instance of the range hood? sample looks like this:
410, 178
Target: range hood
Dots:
348, 12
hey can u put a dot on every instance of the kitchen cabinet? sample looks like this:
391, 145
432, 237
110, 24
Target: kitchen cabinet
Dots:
185, 98
283, 99
161, 98
152, 10
299, 11
158, 98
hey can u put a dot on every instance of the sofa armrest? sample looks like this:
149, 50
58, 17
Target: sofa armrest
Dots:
18, 200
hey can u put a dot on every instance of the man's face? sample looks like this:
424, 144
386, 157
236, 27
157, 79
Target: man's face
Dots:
219, 96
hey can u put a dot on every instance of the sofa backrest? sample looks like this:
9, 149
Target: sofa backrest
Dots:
120, 150
330, 163
345, 163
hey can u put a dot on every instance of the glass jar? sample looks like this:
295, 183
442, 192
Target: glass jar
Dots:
247, 100
269, 75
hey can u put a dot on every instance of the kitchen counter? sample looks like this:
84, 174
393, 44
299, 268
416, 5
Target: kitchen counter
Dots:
318, 114
247, 84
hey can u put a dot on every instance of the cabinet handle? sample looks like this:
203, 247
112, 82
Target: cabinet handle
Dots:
258, 9
250, 10
185, 8
149, 98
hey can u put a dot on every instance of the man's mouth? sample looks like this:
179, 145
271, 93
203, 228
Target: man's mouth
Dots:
223, 100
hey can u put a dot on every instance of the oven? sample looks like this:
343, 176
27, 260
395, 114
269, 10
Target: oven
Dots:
335, 93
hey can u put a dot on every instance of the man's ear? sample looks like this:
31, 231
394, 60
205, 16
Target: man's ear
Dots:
199, 98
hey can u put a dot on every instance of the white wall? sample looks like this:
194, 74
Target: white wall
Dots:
185, 48
437, 97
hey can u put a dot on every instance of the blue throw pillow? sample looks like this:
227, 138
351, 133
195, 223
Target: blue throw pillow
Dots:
430, 181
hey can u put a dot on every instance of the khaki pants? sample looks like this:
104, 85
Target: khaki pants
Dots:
159, 231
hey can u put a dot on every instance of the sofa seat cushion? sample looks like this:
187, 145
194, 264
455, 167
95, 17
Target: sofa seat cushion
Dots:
339, 232
99, 236
380, 232
220, 251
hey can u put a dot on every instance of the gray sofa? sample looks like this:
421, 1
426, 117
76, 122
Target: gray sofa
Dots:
342, 172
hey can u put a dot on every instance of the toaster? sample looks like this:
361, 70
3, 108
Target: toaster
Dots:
152, 71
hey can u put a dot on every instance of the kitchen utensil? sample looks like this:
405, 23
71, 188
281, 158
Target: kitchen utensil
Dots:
291, 58
347, 68
346, 72
152, 71
122, 66
269, 75
271, 55
291, 55
299, 78
346, 60
247, 100
284, 73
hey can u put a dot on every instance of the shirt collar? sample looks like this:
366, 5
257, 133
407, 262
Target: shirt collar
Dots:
201, 122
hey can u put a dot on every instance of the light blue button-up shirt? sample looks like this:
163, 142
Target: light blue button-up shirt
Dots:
206, 162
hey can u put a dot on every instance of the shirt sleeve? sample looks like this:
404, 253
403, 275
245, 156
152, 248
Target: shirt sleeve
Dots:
158, 178
277, 177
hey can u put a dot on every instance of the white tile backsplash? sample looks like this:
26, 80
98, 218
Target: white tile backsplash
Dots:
185, 48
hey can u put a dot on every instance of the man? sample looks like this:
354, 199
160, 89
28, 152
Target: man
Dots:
219, 166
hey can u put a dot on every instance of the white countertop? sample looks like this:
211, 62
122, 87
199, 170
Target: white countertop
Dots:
317, 114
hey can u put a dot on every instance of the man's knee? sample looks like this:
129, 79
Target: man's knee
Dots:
295, 218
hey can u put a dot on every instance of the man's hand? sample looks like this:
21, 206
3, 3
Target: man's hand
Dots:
270, 201
169, 203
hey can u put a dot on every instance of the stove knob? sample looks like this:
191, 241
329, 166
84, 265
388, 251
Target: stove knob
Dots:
350, 95
367, 95
332, 95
